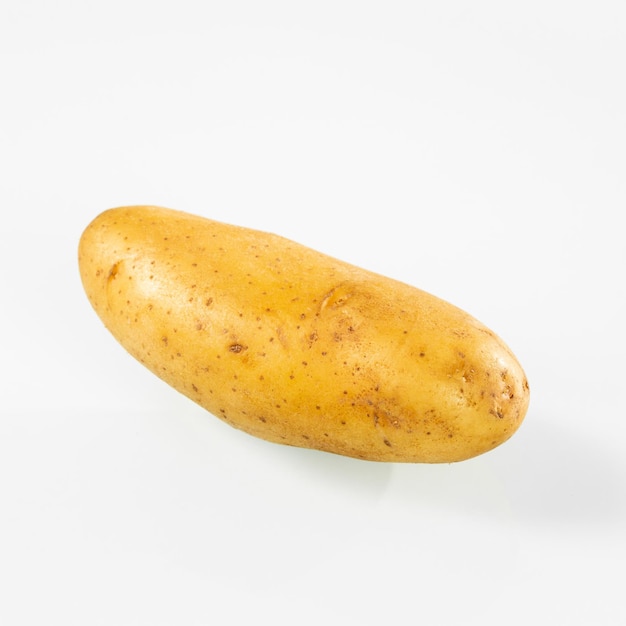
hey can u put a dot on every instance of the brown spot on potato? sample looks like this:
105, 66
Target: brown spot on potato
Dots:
335, 298
236, 348
113, 271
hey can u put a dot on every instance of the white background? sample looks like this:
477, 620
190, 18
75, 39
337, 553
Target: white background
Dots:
473, 149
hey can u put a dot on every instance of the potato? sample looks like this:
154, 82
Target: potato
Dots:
296, 347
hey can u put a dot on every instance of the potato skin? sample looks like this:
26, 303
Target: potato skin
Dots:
296, 347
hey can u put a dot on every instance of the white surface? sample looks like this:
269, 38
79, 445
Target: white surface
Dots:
473, 149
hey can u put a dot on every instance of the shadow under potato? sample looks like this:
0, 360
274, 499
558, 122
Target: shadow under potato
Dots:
554, 475
545, 475
365, 479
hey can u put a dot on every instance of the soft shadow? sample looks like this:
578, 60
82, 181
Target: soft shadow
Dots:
364, 479
552, 474
546, 474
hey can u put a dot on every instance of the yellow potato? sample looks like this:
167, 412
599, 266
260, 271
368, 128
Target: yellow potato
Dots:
296, 347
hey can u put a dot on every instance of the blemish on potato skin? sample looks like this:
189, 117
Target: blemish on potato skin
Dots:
113, 271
